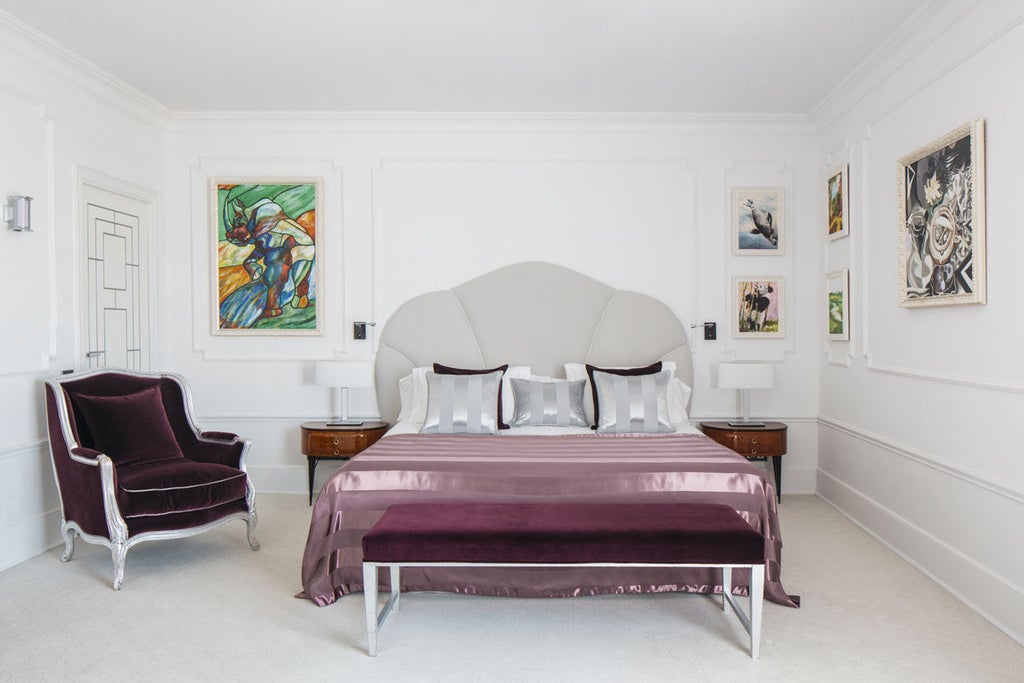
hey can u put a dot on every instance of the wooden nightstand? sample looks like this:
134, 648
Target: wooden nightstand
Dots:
754, 443
323, 442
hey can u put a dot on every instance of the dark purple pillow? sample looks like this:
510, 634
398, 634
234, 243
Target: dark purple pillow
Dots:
131, 428
652, 369
446, 370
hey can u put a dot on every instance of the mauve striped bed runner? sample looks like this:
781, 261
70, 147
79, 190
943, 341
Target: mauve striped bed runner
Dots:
669, 468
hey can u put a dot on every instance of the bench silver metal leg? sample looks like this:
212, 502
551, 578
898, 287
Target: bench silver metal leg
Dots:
374, 621
751, 622
756, 608
396, 586
370, 602
726, 587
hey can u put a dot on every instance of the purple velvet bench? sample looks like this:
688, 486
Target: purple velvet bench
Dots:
563, 535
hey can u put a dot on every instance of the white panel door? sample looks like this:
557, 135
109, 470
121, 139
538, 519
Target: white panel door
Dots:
115, 322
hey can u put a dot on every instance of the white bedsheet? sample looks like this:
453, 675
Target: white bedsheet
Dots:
411, 427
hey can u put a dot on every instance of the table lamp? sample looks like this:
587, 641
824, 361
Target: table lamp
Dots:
744, 377
341, 376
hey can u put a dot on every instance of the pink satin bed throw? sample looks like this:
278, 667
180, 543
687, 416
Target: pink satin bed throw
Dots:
580, 468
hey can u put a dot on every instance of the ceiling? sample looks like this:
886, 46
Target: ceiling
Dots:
693, 56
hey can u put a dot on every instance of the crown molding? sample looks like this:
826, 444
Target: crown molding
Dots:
981, 22
47, 53
427, 121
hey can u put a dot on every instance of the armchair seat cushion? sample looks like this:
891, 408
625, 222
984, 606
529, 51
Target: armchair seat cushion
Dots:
175, 485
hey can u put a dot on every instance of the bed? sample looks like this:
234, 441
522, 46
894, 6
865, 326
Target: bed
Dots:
540, 316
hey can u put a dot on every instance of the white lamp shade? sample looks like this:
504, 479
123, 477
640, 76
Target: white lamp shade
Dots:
746, 376
332, 373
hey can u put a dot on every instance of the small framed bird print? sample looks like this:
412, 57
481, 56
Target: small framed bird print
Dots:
758, 221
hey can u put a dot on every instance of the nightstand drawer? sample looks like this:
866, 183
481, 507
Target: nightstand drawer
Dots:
757, 443
338, 443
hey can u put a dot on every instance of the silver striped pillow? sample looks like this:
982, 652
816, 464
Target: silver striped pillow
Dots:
558, 403
633, 404
462, 404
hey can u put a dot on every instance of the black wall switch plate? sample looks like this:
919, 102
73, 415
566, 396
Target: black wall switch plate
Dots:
710, 331
359, 330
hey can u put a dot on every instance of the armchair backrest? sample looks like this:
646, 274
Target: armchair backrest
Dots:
174, 394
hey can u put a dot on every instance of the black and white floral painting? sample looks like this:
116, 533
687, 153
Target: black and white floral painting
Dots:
942, 220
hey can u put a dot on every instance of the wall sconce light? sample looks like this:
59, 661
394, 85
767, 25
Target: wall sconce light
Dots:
18, 214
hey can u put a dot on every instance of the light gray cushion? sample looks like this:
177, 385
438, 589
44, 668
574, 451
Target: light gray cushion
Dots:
558, 403
633, 404
462, 404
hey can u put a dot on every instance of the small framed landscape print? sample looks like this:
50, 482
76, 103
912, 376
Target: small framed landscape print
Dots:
758, 221
838, 194
266, 260
942, 220
837, 293
758, 307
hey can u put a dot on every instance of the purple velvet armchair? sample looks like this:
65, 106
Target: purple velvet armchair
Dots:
132, 466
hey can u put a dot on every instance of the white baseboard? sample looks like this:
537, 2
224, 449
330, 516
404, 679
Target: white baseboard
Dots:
28, 537
993, 597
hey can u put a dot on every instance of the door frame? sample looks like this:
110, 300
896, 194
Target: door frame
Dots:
85, 177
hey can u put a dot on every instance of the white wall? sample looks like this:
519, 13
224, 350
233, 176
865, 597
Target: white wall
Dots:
410, 204
53, 128
415, 204
918, 441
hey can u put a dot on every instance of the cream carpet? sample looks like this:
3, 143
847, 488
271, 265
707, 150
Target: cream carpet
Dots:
210, 609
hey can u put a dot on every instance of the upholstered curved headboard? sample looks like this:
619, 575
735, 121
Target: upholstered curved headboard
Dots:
535, 314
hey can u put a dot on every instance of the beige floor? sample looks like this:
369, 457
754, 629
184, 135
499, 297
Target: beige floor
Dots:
208, 608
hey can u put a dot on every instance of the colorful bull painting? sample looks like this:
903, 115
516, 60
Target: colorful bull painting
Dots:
266, 256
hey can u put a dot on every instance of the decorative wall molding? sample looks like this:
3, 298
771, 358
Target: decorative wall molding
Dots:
44, 358
384, 162
923, 458
840, 155
769, 171
270, 348
858, 507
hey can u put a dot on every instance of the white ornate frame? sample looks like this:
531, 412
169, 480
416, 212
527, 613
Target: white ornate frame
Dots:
844, 208
778, 219
842, 276
779, 282
976, 131
215, 327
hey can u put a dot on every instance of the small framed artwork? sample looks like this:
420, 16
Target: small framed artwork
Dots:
838, 194
758, 221
942, 220
265, 256
837, 292
758, 307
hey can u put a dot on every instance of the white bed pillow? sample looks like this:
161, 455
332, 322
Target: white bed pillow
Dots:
412, 392
678, 392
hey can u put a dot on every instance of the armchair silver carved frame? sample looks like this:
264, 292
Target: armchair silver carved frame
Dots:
119, 542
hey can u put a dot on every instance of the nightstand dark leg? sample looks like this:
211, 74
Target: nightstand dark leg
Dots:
312, 474
777, 467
